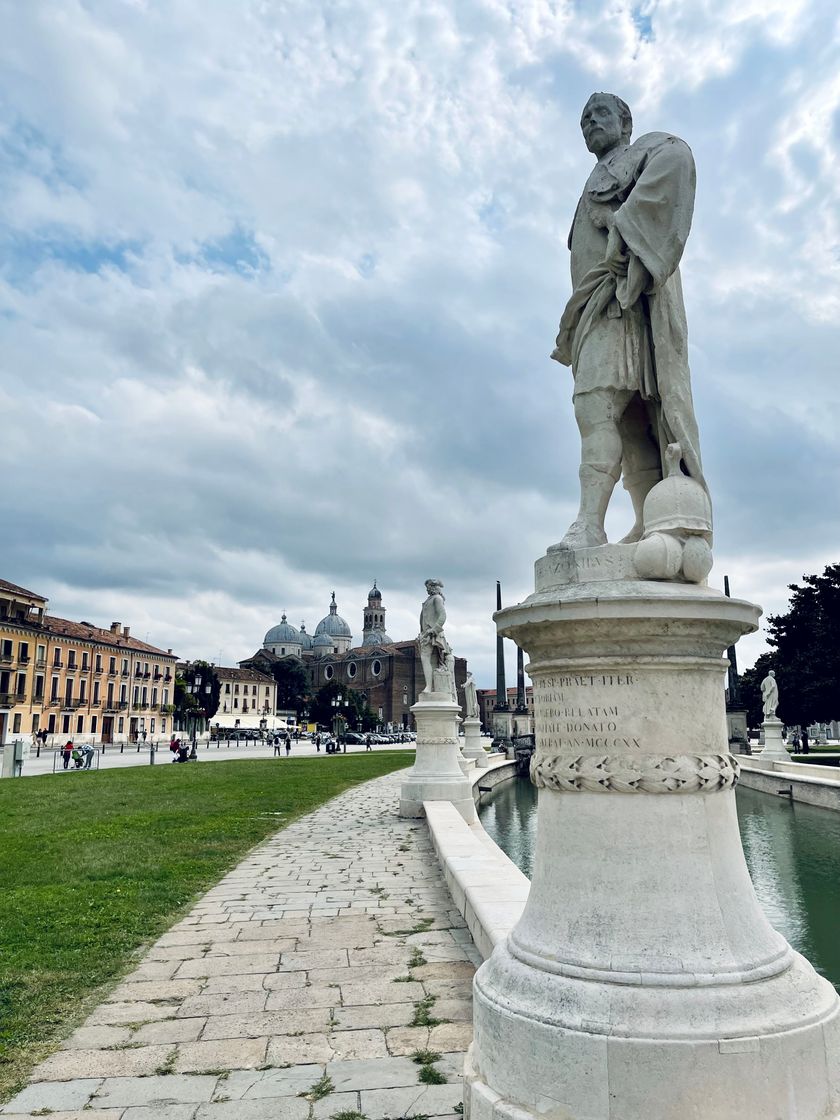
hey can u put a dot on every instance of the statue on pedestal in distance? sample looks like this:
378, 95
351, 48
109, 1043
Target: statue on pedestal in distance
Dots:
770, 695
470, 698
436, 655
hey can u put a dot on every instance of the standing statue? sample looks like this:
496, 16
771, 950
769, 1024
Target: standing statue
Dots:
623, 331
770, 695
436, 654
470, 698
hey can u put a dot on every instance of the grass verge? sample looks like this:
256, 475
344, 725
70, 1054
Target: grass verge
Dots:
95, 865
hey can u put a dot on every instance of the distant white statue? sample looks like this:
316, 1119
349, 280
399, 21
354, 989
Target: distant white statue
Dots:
436, 655
770, 695
470, 698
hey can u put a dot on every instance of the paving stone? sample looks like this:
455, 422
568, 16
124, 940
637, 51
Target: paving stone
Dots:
159, 1112
67, 1064
76, 1114
294, 998
453, 1010
272, 1108
449, 989
384, 991
423, 1100
453, 970
301, 1049
251, 982
242, 1085
246, 948
358, 1044
374, 1015
223, 1003
151, 970
93, 1038
267, 1023
116, 1092
228, 966
228, 1053
372, 1073
327, 1107
169, 1030
129, 1012
321, 958
54, 1096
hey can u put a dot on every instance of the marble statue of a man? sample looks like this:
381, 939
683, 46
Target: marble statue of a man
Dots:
770, 695
435, 652
623, 331
470, 698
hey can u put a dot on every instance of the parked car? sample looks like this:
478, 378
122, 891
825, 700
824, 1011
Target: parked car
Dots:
354, 738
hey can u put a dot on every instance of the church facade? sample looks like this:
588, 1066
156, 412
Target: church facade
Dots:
387, 673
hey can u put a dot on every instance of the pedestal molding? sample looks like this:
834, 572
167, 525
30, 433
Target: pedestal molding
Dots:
629, 773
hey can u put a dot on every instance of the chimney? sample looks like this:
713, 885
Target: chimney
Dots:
115, 628
169, 650
126, 632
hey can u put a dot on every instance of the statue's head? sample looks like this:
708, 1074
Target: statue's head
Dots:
771, 673
433, 586
606, 122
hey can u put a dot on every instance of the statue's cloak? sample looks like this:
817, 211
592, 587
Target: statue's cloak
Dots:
649, 187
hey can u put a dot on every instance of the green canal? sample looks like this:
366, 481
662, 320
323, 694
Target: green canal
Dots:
792, 851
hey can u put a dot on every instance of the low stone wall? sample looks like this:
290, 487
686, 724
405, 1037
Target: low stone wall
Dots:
488, 889
788, 776
499, 769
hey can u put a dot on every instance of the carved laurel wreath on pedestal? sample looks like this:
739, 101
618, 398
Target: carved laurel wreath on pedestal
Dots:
646, 773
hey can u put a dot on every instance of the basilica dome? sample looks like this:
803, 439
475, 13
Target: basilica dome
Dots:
333, 624
284, 634
306, 640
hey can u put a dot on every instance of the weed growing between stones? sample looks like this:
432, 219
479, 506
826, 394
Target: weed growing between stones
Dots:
422, 1013
322, 1088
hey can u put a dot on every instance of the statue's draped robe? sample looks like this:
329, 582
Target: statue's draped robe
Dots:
649, 187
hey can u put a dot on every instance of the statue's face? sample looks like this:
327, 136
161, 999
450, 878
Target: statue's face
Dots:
600, 124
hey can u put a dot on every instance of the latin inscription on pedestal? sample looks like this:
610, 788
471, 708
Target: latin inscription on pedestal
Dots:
583, 713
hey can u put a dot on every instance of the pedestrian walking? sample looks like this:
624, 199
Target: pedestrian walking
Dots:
318, 742
66, 751
367, 743
276, 742
288, 744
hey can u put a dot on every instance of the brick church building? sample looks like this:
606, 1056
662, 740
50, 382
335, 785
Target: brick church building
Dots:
387, 673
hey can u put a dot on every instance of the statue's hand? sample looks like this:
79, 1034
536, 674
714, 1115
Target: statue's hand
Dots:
616, 258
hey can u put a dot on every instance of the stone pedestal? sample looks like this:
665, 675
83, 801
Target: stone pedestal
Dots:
774, 749
473, 746
643, 981
436, 774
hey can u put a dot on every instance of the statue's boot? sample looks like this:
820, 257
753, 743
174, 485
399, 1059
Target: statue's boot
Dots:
596, 487
638, 485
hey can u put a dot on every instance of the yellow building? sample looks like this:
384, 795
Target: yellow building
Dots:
76, 680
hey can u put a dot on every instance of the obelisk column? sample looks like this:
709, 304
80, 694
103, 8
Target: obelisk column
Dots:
502, 724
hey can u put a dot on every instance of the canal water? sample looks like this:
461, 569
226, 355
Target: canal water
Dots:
792, 852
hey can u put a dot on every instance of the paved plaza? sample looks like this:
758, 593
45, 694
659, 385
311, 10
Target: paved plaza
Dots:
299, 988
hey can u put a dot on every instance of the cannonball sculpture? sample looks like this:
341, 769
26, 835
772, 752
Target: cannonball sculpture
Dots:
678, 527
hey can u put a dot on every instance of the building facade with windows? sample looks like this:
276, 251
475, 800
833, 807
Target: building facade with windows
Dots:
77, 680
244, 693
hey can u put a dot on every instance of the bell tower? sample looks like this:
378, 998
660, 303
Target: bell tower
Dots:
374, 613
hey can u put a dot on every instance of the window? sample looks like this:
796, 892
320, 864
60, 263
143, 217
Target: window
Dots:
125, 666
80, 724
227, 688
236, 703
21, 684
136, 694
144, 696
57, 657
112, 664
71, 659
7, 649
120, 725
23, 652
84, 660
41, 655
236, 688
65, 725
123, 695
82, 690
154, 697
329, 672
351, 670
152, 726
96, 692
36, 722
68, 692
51, 725
16, 722
54, 689
93, 725
39, 688
163, 727
376, 667
165, 696
137, 668
99, 663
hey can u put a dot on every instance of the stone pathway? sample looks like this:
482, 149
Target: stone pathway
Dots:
296, 989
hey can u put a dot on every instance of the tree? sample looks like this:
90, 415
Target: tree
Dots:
354, 707
293, 685
191, 703
806, 653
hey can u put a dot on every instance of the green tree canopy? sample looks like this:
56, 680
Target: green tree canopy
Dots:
189, 703
354, 707
293, 685
806, 652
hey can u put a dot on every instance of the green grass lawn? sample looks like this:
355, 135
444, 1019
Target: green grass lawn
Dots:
94, 867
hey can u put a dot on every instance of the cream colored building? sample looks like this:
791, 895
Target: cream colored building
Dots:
246, 695
77, 680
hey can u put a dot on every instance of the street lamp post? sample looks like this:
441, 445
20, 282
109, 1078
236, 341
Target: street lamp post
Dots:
195, 689
337, 703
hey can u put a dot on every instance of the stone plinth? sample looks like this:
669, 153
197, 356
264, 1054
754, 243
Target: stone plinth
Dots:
436, 774
774, 749
473, 746
643, 981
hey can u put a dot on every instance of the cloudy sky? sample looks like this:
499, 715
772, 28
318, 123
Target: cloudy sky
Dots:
279, 280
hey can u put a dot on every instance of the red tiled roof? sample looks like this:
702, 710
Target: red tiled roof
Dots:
13, 587
225, 674
86, 632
